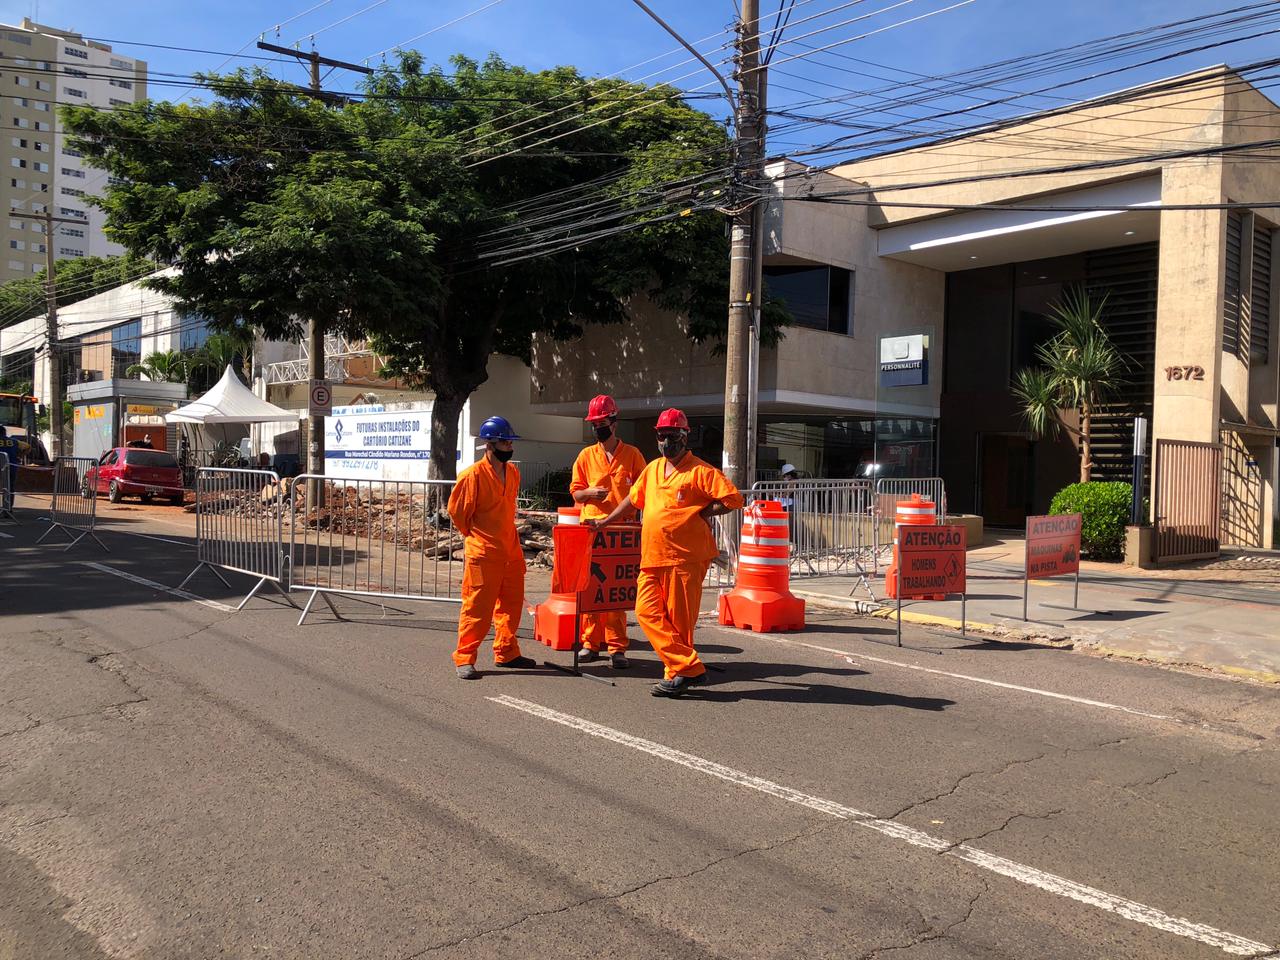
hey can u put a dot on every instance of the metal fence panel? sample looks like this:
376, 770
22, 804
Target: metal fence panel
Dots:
388, 539
890, 491
830, 523
240, 525
74, 503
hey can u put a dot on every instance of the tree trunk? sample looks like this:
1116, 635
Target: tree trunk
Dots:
1086, 442
445, 410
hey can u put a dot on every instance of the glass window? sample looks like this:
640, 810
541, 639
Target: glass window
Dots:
819, 297
126, 348
195, 331
149, 458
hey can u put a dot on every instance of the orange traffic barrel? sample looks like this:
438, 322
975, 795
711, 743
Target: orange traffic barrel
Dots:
761, 597
915, 511
555, 619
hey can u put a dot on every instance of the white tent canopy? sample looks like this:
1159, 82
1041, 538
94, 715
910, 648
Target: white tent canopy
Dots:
230, 401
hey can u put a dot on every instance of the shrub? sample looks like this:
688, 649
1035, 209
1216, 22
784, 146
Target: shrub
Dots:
1104, 512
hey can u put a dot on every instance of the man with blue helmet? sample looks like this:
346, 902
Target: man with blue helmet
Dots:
483, 509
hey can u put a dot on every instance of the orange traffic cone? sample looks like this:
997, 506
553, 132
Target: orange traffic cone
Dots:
761, 598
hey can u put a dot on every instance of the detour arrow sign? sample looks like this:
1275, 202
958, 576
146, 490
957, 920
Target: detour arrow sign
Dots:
615, 567
931, 561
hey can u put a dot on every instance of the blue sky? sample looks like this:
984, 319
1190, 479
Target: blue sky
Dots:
607, 36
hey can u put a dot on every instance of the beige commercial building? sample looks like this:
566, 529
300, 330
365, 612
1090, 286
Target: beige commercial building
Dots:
1155, 197
42, 68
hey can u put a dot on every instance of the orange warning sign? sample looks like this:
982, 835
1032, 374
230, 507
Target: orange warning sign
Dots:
1053, 545
614, 569
931, 561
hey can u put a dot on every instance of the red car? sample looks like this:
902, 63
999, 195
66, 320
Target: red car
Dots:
135, 472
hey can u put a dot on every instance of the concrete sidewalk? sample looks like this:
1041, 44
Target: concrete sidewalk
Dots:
1222, 615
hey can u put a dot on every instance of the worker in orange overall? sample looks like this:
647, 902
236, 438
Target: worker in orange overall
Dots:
602, 477
679, 494
482, 507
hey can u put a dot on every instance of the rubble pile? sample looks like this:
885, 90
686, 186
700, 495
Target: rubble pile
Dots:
412, 521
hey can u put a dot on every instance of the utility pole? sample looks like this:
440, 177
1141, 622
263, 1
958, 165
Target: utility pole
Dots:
739, 457
315, 333
54, 389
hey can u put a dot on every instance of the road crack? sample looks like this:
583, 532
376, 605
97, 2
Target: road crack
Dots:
930, 933
604, 898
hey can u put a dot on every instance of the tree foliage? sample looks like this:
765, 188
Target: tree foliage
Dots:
403, 218
75, 279
1079, 368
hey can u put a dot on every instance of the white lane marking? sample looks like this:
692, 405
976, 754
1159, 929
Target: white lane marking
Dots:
7, 536
972, 679
104, 568
1031, 876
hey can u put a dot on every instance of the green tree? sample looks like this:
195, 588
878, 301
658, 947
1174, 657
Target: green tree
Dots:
407, 219
219, 351
76, 279
511, 259
165, 366
1080, 368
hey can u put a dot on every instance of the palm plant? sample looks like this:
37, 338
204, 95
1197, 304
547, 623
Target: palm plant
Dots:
220, 351
164, 366
1080, 368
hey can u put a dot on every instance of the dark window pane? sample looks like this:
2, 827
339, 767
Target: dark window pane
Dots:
838, 307
150, 458
126, 348
804, 290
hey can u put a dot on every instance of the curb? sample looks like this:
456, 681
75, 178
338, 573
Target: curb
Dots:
873, 608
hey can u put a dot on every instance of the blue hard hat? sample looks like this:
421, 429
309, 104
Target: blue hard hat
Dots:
498, 428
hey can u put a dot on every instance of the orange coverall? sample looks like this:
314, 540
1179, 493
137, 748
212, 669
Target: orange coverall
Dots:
484, 512
594, 469
676, 547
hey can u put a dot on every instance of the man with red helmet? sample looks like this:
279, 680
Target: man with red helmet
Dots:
679, 494
602, 477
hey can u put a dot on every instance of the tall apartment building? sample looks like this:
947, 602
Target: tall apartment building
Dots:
42, 68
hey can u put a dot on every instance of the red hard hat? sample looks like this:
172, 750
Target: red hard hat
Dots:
672, 419
601, 408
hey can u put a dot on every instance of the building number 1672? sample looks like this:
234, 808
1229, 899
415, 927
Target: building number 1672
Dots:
1184, 373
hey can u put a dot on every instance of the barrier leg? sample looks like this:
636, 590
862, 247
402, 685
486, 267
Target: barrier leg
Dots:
53, 525
249, 596
576, 670
307, 609
332, 608
284, 593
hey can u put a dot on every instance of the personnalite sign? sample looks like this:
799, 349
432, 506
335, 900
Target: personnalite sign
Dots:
904, 361
391, 445
1053, 545
931, 561
614, 569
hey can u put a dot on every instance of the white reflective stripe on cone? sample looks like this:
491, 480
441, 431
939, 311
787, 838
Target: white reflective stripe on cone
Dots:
745, 561
765, 541
569, 520
916, 511
772, 521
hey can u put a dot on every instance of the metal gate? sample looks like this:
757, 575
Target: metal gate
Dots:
1188, 507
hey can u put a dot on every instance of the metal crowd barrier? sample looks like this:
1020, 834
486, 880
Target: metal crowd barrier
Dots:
6, 490
240, 526
831, 524
74, 504
890, 491
385, 539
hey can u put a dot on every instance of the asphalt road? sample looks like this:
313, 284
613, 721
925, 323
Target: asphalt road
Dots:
179, 780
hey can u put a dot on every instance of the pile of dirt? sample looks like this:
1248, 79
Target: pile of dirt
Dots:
413, 521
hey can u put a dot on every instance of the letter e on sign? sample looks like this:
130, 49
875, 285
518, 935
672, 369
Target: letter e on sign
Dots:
321, 402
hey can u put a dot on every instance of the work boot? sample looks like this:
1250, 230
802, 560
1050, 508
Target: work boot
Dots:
676, 686
587, 655
468, 672
519, 663
620, 661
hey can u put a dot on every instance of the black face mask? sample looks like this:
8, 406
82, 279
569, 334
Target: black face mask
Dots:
502, 456
604, 432
672, 449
